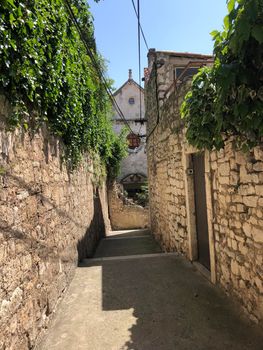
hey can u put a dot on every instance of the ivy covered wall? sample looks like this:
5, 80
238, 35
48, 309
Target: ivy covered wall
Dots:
50, 72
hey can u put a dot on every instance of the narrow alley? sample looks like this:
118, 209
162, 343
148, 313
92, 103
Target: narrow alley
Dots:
132, 296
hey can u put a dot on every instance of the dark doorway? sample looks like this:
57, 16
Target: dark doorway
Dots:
201, 209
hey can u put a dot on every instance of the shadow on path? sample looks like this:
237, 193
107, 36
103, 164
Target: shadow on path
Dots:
147, 303
175, 308
96, 231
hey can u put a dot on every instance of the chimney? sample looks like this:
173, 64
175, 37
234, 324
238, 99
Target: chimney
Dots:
130, 74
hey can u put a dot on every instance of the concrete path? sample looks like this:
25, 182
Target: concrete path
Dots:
150, 301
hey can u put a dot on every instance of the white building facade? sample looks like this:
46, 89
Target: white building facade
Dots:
130, 99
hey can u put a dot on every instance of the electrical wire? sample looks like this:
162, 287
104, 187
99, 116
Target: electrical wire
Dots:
96, 65
145, 41
139, 56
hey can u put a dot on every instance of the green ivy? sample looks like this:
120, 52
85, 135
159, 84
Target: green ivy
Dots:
227, 99
47, 75
119, 151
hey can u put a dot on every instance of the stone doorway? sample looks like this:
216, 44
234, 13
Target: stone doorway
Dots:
203, 253
199, 252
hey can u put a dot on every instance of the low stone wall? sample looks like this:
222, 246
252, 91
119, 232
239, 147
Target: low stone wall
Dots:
234, 196
125, 215
49, 219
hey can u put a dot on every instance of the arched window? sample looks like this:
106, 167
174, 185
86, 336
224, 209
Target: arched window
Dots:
133, 140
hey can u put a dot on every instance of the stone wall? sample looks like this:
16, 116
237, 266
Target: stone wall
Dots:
234, 194
49, 219
237, 191
124, 214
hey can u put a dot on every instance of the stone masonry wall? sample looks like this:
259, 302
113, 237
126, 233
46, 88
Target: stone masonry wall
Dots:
237, 191
49, 219
125, 216
165, 173
235, 180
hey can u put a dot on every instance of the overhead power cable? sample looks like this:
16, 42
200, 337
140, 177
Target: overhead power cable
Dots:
139, 55
137, 15
96, 64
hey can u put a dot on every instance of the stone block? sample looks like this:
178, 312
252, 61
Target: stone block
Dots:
257, 234
236, 198
234, 244
240, 208
213, 156
245, 275
245, 190
241, 158
224, 169
233, 164
224, 180
234, 178
258, 153
258, 166
235, 269
242, 248
259, 190
247, 228
250, 201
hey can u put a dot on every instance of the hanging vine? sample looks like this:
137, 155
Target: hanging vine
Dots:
227, 99
48, 76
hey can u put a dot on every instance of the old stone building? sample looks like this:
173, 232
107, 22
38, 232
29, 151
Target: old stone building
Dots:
130, 99
206, 205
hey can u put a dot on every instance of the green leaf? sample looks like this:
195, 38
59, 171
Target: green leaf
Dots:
257, 33
11, 18
214, 33
231, 5
226, 22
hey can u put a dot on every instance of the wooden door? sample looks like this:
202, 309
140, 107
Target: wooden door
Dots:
201, 209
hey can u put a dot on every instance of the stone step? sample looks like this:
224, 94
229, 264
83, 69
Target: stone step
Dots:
92, 261
120, 246
129, 233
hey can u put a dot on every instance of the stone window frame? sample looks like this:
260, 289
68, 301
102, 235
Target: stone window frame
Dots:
190, 208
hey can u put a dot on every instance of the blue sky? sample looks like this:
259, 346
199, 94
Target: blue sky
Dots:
172, 25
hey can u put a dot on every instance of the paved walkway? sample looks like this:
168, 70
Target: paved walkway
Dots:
132, 297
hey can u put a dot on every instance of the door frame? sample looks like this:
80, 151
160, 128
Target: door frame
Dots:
190, 207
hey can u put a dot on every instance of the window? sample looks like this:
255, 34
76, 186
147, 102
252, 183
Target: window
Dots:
133, 141
131, 101
182, 73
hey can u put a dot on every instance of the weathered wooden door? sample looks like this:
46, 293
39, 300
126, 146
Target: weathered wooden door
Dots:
201, 209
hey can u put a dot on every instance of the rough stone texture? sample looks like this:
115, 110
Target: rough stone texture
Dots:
236, 182
238, 225
49, 219
125, 216
165, 172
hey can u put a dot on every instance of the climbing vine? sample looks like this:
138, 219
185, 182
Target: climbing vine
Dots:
48, 76
227, 99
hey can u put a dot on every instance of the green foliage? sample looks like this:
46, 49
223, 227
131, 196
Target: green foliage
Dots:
203, 131
119, 151
228, 98
142, 197
47, 75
